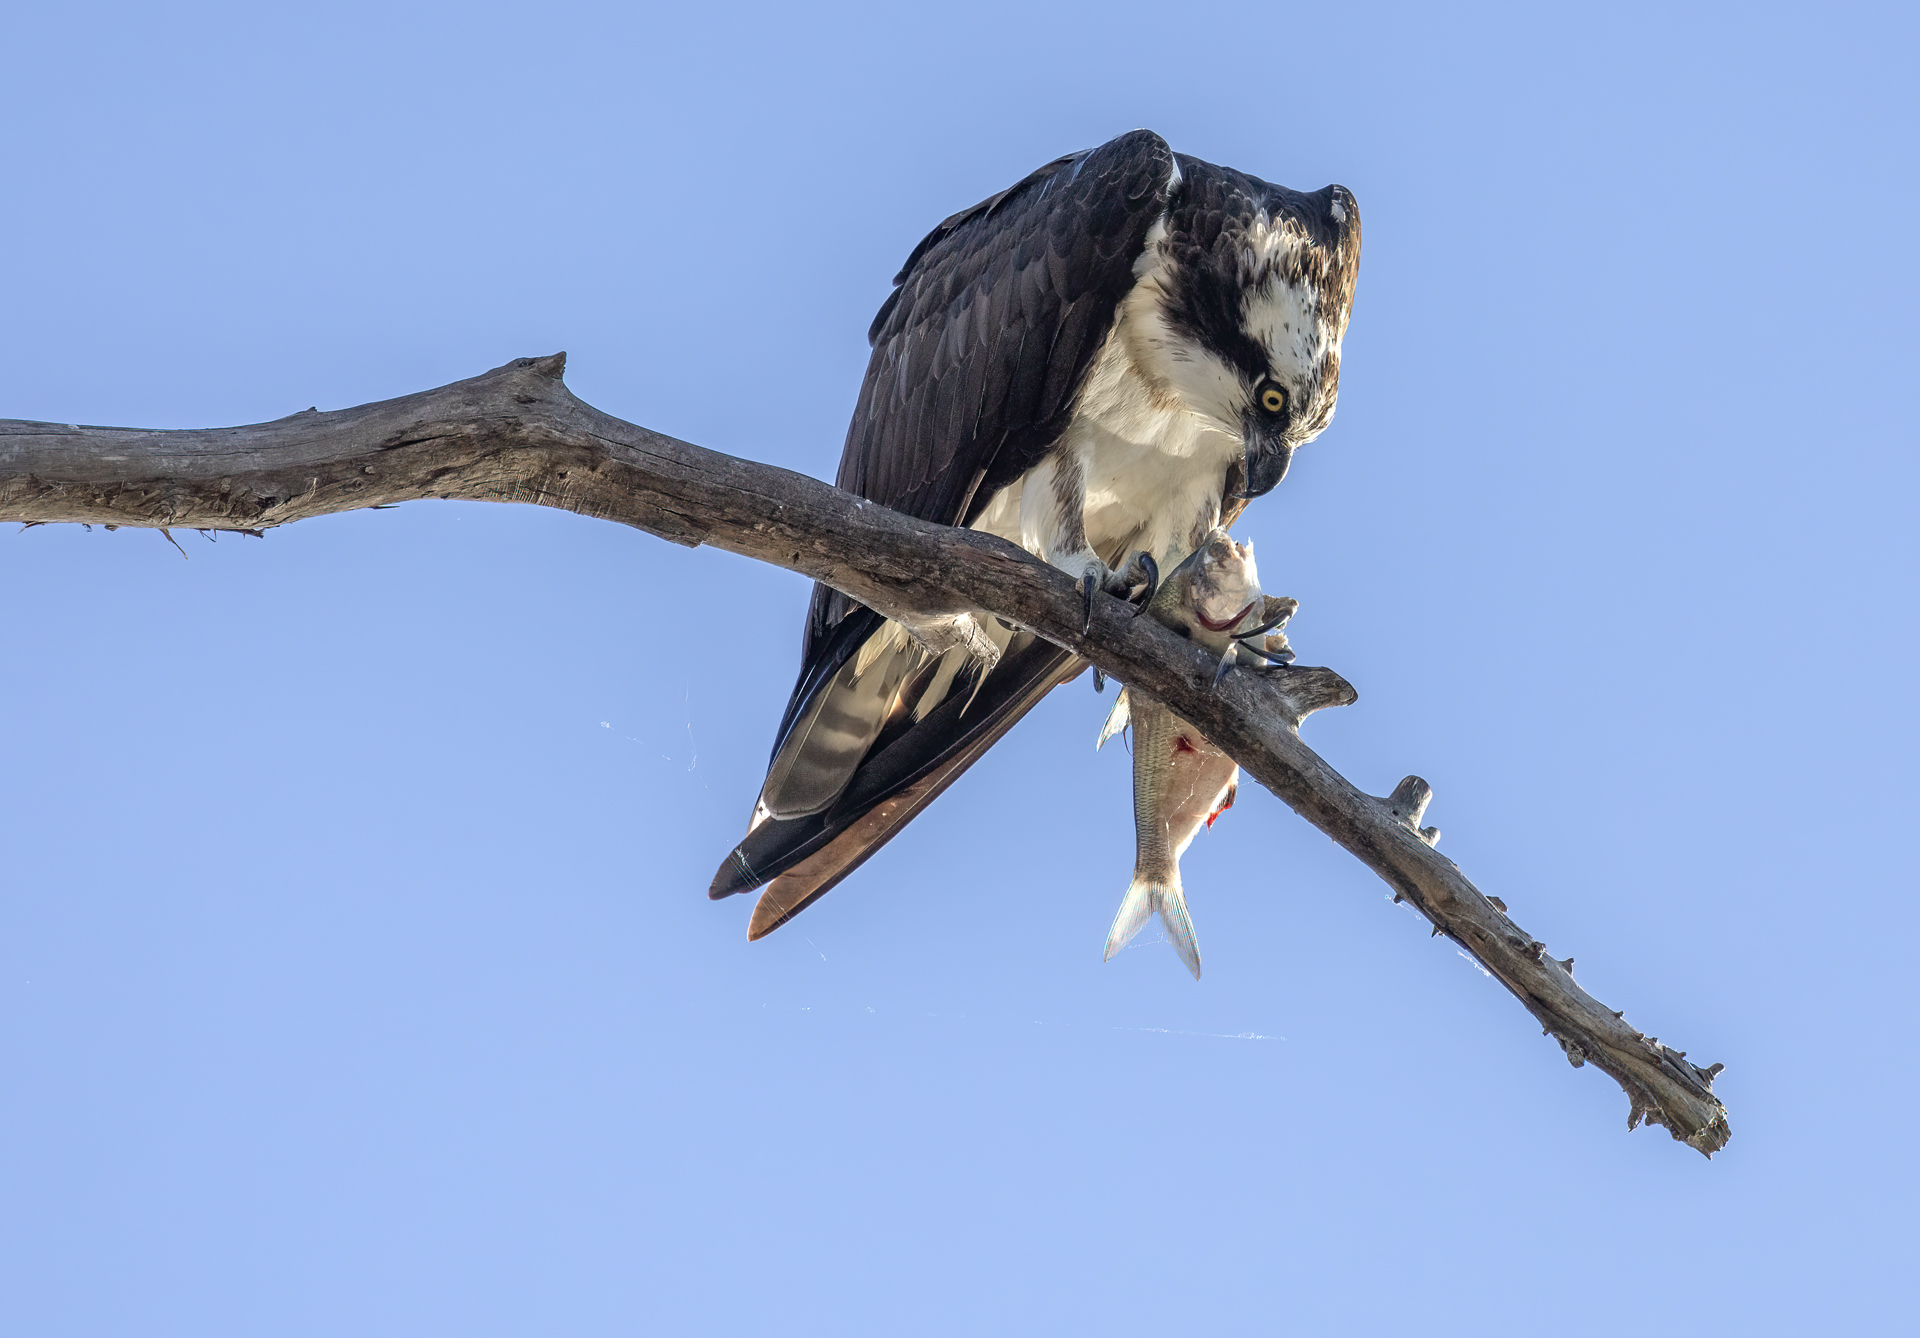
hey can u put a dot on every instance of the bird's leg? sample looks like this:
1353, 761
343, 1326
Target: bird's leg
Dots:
1121, 584
1142, 575
1134, 582
1275, 651
1263, 655
1264, 647
1053, 525
1275, 613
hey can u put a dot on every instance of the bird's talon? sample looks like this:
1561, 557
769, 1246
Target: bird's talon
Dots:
1282, 656
1278, 659
1088, 584
1150, 572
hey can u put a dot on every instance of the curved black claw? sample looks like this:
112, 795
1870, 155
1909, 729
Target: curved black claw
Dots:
1279, 657
1099, 681
1264, 627
1088, 584
1151, 570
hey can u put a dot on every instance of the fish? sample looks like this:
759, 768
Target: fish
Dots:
1181, 782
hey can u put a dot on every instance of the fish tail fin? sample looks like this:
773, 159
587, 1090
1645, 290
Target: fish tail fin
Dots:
1135, 909
1144, 897
1172, 905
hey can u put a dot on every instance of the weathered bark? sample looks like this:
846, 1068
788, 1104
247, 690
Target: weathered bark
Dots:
517, 434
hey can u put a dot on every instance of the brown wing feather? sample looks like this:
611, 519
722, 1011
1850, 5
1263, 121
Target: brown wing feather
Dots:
979, 350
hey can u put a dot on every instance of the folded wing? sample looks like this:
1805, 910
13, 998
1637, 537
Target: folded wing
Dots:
977, 356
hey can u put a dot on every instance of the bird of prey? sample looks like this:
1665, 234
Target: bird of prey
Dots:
1092, 363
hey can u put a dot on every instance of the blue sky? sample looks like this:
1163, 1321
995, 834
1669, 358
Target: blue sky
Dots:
356, 973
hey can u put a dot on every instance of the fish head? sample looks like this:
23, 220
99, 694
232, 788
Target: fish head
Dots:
1224, 590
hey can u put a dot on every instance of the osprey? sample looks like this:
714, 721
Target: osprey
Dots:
1091, 364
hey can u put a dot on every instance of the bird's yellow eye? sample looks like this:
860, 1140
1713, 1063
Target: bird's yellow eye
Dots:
1273, 399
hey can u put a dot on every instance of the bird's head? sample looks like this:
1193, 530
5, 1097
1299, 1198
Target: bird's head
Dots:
1262, 299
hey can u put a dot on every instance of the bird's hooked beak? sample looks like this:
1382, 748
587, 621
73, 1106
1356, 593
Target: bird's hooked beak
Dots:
1266, 464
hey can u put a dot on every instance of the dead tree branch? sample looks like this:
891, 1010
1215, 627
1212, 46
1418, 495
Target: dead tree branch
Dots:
517, 434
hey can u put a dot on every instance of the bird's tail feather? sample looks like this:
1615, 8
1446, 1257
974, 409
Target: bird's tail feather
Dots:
1144, 897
